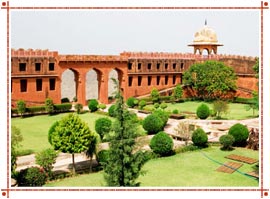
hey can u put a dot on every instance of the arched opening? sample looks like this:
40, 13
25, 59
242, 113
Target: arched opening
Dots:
118, 75
69, 84
92, 88
205, 52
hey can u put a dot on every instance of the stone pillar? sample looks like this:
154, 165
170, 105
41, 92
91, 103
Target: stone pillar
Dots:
103, 88
80, 88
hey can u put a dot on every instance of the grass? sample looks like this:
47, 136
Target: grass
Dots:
35, 129
236, 111
190, 169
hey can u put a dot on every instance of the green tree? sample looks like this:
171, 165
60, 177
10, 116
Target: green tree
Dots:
124, 164
21, 107
211, 79
70, 135
220, 107
49, 106
92, 149
155, 95
177, 92
78, 108
16, 139
103, 126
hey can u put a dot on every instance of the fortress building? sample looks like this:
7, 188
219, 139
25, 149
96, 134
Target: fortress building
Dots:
38, 74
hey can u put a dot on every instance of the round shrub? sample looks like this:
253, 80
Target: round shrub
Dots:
199, 138
111, 110
130, 102
161, 144
79, 108
65, 100
31, 177
162, 115
102, 156
103, 126
93, 105
142, 104
156, 105
226, 141
240, 134
163, 105
175, 111
203, 111
152, 124
102, 106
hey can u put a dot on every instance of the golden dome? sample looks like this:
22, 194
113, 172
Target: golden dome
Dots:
205, 36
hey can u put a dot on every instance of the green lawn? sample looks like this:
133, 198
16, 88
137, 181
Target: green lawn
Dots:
190, 169
236, 111
35, 129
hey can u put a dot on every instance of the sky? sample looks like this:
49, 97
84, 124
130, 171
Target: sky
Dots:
110, 32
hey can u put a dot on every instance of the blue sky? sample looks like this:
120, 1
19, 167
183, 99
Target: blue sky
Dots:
115, 31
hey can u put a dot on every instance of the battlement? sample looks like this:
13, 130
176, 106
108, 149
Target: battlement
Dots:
33, 53
91, 58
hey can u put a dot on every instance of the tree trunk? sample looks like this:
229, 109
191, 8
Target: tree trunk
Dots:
73, 164
91, 164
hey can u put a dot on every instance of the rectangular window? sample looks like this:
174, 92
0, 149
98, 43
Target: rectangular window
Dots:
51, 66
174, 66
11, 85
174, 79
38, 84
23, 85
37, 66
149, 80
139, 66
129, 66
158, 66
166, 79
158, 80
166, 66
139, 80
52, 84
149, 66
22, 66
182, 66
130, 79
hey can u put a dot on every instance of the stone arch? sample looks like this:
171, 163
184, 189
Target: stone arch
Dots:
93, 80
117, 74
69, 84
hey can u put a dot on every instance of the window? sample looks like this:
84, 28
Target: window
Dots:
130, 81
11, 85
182, 66
51, 66
37, 66
166, 79
22, 66
23, 85
174, 66
52, 84
139, 66
158, 80
38, 84
149, 66
174, 79
149, 80
139, 80
129, 66
166, 66
158, 66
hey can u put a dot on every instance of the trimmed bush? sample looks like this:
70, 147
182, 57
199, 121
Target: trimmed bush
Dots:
226, 141
152, 124
163, 105
78, 108
162, 144
203, 111
102, 106
162, 115
65, 100
111, 110
31, 177
240, 134
155, 95
142, 104
49, 106
199, 138
62, 107
36, 109
102, 156
130, 102
175, 111
93, 105
103, 126
21, 107
156, 105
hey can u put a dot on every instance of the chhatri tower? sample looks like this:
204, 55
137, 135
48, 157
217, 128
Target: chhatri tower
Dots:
205, 39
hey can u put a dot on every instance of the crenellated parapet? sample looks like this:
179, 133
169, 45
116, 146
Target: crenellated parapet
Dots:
33, 53
91, 58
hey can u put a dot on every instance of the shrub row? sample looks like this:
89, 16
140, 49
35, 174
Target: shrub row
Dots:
243, 100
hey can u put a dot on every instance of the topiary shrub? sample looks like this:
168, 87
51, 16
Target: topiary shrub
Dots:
103, 126
203, 111
162, 115
102, 156
31, 177
102, 106
93, 105
199, 138
240, 134
111, 110
156, 105
142, 104
65, 100
163, 105
78, 108
130, 102
152, 124
162, 144
21, 107
49, 106
175, 111
226, 141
